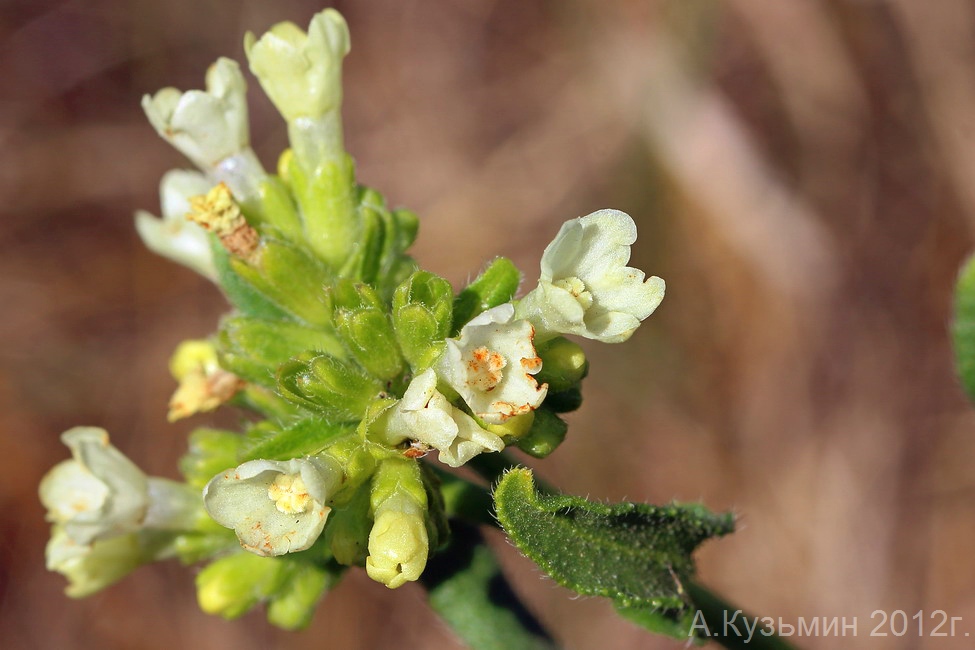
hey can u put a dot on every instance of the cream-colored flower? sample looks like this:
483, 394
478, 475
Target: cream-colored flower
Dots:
425, 415
174, 236
92, 567
398, 542
205, 126
99, 493
491, 366
586, 288
301, 72
275, 507
203, 384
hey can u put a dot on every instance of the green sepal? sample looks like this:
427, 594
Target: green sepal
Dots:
469, 591
545, 435
496, 285
232, 585
210, 452
361, 322
339, 390
253, 349
564, 364
303, 438
564, 401
963, 327
639, 555
278, 209
347, 532
290, 277
422, 315
326, 198
197, 546
438, 529
293, 607
239, 292
365, 259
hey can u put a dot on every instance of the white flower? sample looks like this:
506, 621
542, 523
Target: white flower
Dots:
398, 541
425, 415
491, 366
301, 73
92, 567
97, 495
174, 236
586, 288
206, 126
275, 507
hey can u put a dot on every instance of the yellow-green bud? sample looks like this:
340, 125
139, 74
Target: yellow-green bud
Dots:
231, 586
564, 364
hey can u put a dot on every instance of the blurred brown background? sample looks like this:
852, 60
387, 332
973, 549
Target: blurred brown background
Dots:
803, 176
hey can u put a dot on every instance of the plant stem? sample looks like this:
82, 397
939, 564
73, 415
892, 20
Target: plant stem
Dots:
469, 591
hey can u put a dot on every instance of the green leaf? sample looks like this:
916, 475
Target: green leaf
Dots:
636, 554
495, 286
468, 590
963, 327
303, 438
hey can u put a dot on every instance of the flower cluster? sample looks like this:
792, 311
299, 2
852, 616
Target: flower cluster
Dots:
357, 363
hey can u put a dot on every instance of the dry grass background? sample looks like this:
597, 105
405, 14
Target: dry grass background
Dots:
803, 175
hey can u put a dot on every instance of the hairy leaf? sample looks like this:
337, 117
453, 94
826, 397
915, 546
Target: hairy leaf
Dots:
636, 554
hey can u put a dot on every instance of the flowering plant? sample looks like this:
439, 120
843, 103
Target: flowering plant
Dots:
359, 366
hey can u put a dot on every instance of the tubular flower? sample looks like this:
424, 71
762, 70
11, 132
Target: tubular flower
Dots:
586, 288
205, 126
491, 366
99, 493
398, 542
174, 236
275, 507
424, 414
92, 567
301, 73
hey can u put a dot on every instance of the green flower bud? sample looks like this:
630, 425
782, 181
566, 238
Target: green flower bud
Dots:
546, 434
340, 390
293, 607
495, 286
362, 324
288, 276
326, 198
231, 586
564, 364
210, 451
398, 543
254, 349
565, 401
421, 314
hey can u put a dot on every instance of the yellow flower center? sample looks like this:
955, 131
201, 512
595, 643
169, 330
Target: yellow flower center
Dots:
289, 493
484, 368
577, 288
